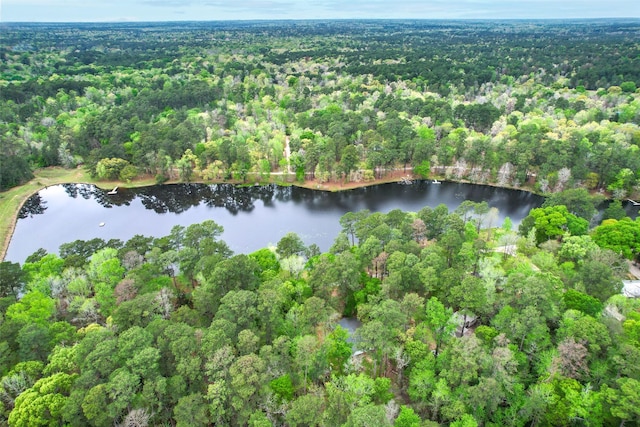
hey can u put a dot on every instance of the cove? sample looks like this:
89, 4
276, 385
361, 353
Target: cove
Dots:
253, 217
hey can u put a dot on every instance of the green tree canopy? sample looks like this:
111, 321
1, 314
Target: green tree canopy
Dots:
622, 236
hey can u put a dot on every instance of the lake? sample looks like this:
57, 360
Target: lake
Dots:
252, 217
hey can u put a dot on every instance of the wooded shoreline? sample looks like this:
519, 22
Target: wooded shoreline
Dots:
11, 201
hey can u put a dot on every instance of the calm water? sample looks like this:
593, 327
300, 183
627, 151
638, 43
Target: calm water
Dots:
351, 324
252, 217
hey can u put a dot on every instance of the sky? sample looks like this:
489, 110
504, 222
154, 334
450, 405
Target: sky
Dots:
214, 10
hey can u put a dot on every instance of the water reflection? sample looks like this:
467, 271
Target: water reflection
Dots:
178, 198
172, 198
88, 192
33, 206
253, 217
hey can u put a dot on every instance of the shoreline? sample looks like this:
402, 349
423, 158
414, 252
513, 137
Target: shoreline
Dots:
12, 200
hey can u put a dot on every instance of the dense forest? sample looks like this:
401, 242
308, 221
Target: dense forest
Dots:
547, 105
463, 321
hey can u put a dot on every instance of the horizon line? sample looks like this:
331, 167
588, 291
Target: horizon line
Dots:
124, 21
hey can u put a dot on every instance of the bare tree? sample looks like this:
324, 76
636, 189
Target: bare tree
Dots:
572, 359
136, 418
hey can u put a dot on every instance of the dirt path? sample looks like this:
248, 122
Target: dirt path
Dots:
634, 270
287, 152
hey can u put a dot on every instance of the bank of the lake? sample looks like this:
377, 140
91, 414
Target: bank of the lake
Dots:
253, 217
12, 200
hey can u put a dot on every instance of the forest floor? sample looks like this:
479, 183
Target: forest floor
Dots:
634, 271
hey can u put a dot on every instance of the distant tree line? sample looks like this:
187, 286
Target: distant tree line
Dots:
545, 105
